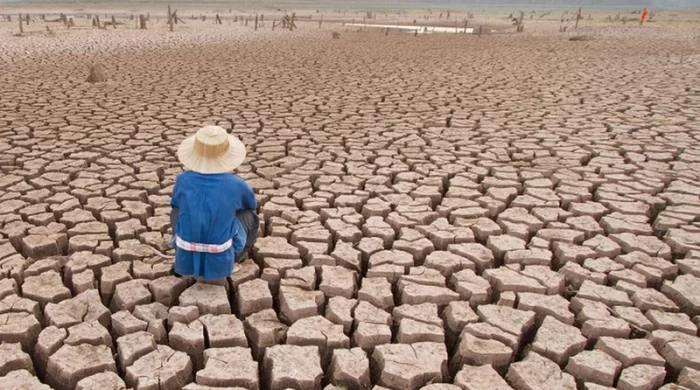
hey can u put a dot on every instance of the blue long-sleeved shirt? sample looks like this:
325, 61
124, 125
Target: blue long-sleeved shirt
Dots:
205, 208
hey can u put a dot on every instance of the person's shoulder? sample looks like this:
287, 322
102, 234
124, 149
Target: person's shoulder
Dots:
237, 180
184, 176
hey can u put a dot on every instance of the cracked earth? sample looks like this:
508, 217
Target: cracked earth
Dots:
437, 211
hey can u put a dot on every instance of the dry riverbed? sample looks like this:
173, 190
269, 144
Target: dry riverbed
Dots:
441, 211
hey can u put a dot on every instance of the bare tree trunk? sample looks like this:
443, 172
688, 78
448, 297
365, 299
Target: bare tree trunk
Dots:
578, 17
142, 22
114, 22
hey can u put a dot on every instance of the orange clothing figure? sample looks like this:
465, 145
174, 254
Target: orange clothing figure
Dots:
645, 15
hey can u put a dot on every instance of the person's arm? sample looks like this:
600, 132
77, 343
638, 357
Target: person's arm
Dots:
248, 201
174, 216
174, 207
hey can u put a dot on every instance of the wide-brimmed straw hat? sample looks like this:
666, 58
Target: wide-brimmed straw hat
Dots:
211, 150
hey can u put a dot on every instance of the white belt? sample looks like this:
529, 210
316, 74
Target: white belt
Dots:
204, 248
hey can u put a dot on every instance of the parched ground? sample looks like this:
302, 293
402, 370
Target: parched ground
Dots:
439, 212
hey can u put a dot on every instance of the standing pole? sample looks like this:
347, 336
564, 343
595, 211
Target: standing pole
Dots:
578, 17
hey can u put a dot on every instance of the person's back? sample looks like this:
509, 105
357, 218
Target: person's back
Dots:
208, 202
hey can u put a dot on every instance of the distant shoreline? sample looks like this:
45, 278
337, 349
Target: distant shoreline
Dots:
387, 6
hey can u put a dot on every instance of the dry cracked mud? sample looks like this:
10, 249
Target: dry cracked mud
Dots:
438, 211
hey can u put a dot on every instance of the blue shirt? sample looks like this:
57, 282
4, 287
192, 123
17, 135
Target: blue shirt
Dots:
207, 206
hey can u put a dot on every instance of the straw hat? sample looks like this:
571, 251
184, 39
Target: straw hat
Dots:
211, 150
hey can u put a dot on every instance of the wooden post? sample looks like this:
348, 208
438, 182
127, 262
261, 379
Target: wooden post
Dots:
578, 17
256, 22
21, 28
114, 22
170, 19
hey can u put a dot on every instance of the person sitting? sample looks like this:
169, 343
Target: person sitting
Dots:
213, 216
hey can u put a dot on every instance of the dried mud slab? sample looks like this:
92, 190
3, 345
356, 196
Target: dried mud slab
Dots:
492, 216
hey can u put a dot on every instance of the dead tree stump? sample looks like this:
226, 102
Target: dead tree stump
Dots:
96, 75
114, 22
27, 19
142, 22
578, 17
217, 20
256, 22
21, 28
336, 35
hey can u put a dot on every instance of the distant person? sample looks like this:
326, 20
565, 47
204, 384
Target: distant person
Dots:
213, 215
645, 16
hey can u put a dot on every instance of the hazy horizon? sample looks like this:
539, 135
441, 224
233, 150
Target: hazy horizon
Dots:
403, 3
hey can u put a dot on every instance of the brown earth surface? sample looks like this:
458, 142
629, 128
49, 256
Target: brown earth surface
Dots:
441, 211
